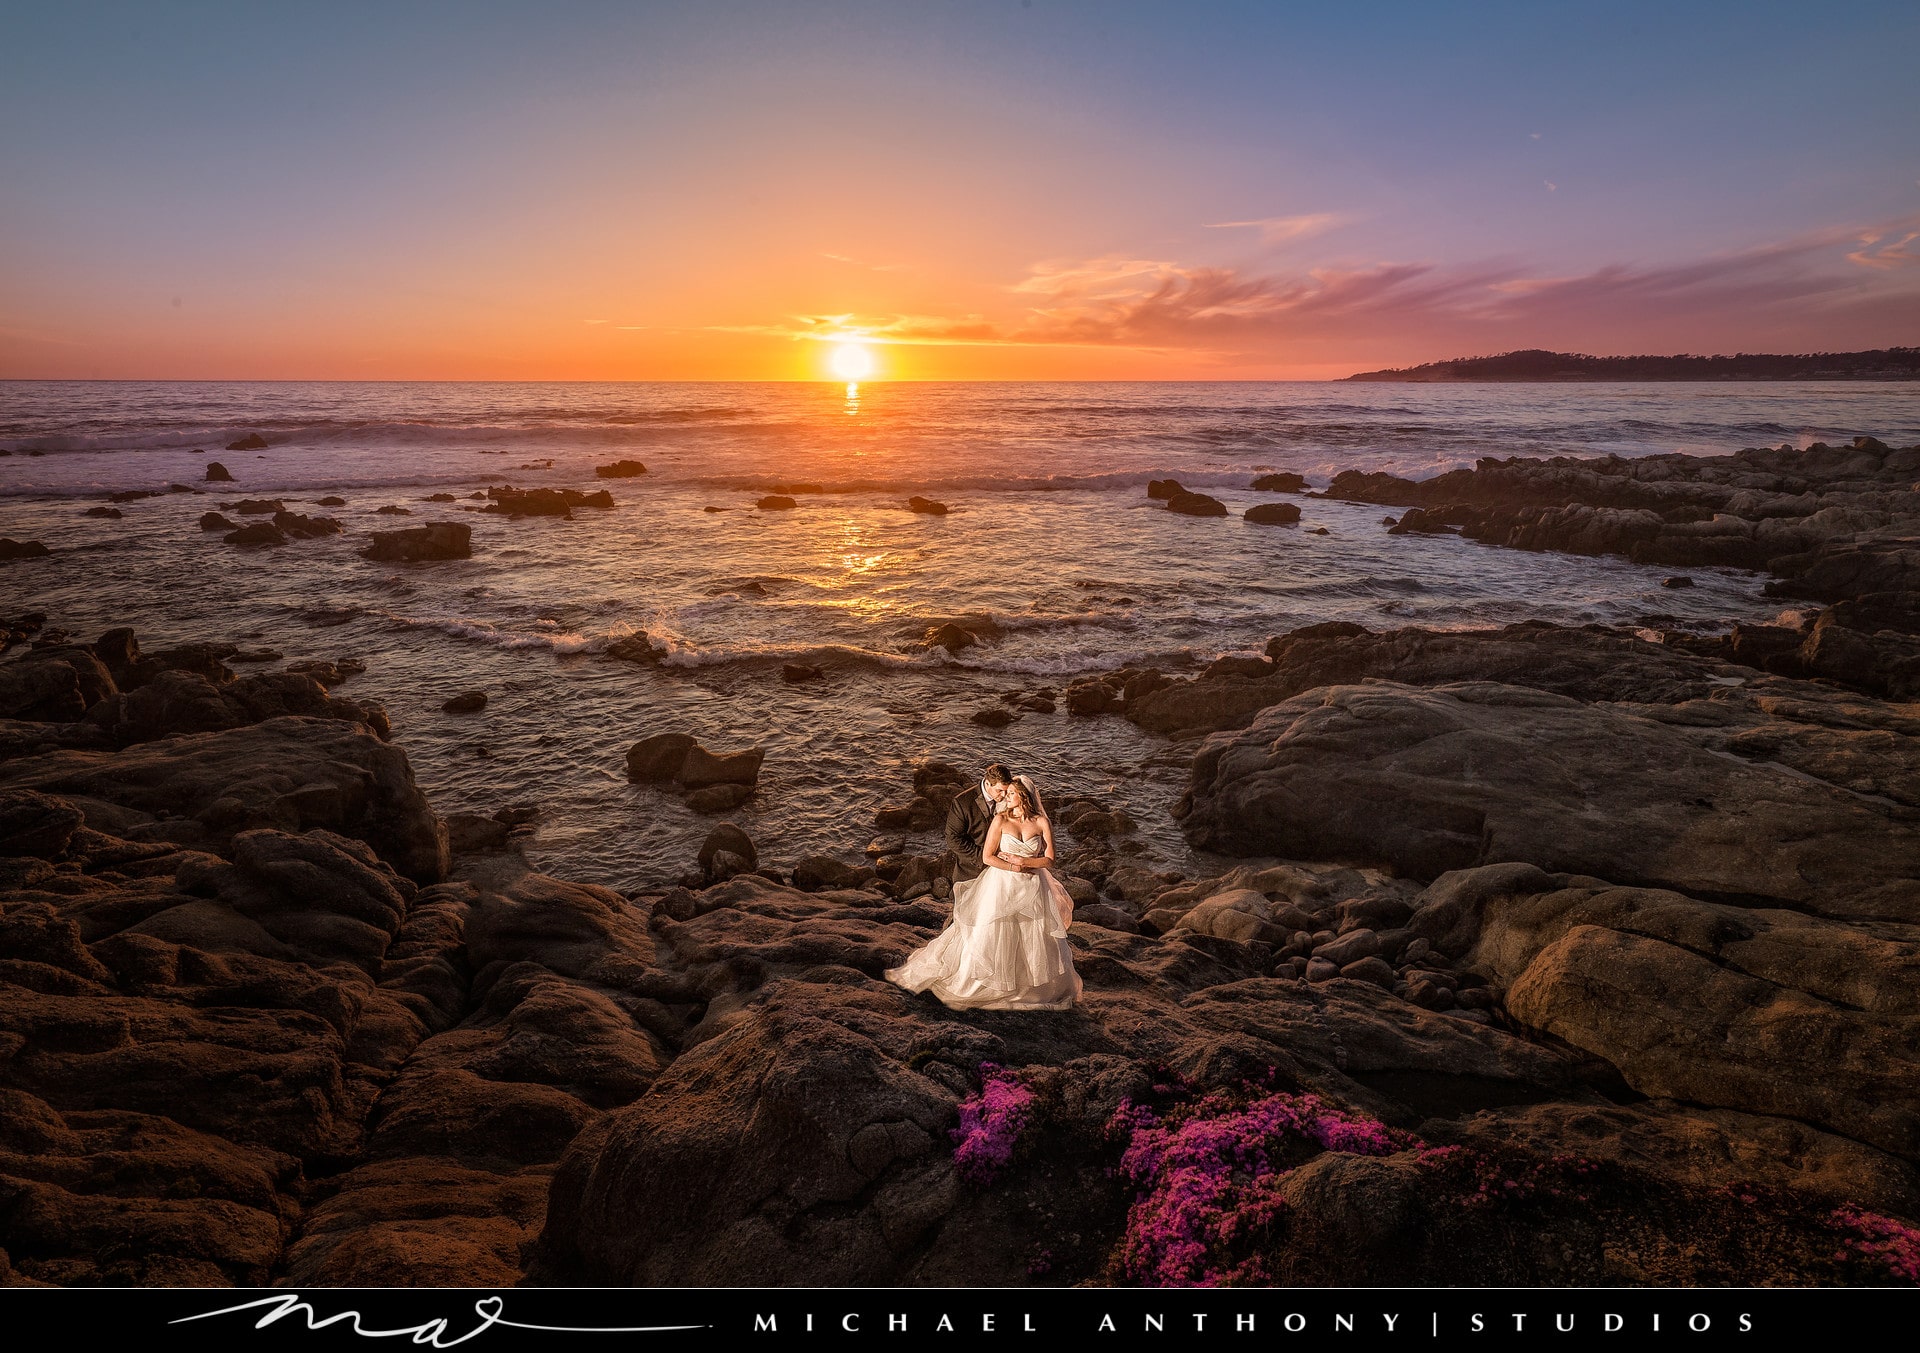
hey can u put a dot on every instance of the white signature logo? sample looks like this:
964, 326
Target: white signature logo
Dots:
491, 1311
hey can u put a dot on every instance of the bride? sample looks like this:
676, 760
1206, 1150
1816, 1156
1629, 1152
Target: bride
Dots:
1005, 947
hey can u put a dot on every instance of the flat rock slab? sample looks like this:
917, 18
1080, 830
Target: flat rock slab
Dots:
1429, 780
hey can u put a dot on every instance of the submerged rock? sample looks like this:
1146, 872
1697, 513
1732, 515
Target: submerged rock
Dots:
620, 469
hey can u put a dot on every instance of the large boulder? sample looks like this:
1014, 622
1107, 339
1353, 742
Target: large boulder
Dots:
1430, 780
1758, 1009
291, 774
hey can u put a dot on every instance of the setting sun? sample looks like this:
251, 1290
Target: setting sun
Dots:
852, 362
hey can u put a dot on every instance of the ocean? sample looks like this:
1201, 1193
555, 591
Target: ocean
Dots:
1051, 547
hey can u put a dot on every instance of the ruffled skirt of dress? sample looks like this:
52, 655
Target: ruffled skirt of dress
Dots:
1005, 947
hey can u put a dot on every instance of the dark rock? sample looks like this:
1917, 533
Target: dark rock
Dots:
1284, 482
1162, 489
816, 873
440, 540
253, 441
659, 757
728, 837
214, 521
775, 502
1418, 521
722, 798
927, 506
513, 502
620, 469
701, 767
796, 672
21, 549
300, 527
470, 834
332, 500
257, 533
1510, 774
467, 702
218, 473
109, 513
255, 507
393, 510
1273, 514
290, 773
1374, 970
993, 716
1678, 580
1196, 505
950, 637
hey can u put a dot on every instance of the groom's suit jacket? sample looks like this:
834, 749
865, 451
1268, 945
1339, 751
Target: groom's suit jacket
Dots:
968, 818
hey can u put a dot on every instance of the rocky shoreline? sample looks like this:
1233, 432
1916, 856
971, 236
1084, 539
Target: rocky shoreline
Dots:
1552, 955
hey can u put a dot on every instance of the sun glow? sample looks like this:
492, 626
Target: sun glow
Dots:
852, 362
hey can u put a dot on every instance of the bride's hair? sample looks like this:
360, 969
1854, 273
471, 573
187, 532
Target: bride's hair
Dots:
1023, 796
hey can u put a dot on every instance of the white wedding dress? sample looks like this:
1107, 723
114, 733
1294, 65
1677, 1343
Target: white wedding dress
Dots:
1005, 947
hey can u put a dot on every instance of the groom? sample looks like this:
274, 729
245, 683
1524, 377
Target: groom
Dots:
969, 816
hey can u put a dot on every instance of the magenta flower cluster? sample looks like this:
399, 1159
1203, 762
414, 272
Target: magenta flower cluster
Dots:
1873, 1236
1211, 1177
990, 1124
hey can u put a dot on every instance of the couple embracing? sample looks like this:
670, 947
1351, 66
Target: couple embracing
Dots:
1005, 947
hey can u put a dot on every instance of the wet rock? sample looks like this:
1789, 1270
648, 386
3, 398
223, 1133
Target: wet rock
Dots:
1163, 489
993, 716
332, 500
1196, 505
257, 533
658, 758
950, 637
440, 540
214, 521
393, 510
300, 527
1418, 521
730, 838
471, 834
467, 702
253, 441
1283, 482
620, 469
795, 672
1677, 580
512, 502
702, 768
21, 549
255, 507
927, 506
721, 798
775, 502
107, 513
1273, 514
218, 473
178, 701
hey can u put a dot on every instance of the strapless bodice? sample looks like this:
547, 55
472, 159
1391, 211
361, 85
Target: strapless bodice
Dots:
1013, 845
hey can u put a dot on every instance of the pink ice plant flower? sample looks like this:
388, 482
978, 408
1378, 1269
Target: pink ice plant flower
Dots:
1210, 1178
990, 1124
1894, 1243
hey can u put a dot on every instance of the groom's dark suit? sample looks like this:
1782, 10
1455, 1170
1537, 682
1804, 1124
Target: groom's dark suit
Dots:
968, 818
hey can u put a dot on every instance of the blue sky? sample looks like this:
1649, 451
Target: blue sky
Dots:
989, 188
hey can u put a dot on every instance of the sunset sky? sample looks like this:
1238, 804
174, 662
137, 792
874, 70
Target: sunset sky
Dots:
988, 189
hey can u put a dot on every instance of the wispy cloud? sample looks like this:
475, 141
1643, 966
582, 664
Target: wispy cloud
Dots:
1237, 314
1280, 229
1899, 254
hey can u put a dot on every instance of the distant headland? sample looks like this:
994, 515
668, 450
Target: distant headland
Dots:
1536, 364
